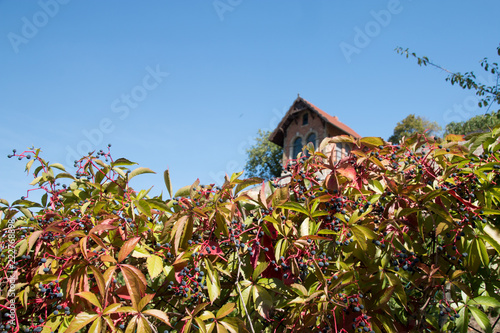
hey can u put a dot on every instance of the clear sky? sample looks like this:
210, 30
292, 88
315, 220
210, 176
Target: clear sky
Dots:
186, 85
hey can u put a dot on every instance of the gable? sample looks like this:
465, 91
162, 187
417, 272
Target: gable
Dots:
296, 111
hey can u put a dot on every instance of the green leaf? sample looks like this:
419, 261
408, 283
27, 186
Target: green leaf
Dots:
486, 301
384, 297
28, 165
281, 248
45, 278
155, 266
246, 183
33, 238
486, 211
139, 171
225, 310
168, 184
220, 220
183, 192
96, 326
36, 180
194, 188
90, 297
262, 301
245, 295
295, 206
360, 237
183, 232
65, 324
258, 270
273, 284
481, 319
112, 308
199, 307
483, 254
435, 208
132, 325
52, 324
126, 309
221, 328
201, 324
122, 161
213, 283
327, 232
206, 315
57, 166
26, 212
233, 324
145, 301
372, 141
80, 321
463, 320
367, 231
143, 207
492, 235
299, 289
399, 289
319, 273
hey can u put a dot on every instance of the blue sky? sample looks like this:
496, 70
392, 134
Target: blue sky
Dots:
186, 85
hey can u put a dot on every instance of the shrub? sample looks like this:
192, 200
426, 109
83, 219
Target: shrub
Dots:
395, 238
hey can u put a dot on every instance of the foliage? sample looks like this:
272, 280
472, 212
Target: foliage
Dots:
396, 238
264, 158
479, 123
413, 124
488, 94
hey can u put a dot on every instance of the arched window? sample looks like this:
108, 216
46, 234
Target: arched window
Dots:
312, 138
297, 147
338, 151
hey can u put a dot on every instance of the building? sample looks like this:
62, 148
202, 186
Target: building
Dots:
304, 123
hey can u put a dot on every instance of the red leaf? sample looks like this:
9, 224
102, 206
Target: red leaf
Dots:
213, 252
255, 258
331, 182
103, 226
134, 285
122, 292
127, 247
348, 172
262, 195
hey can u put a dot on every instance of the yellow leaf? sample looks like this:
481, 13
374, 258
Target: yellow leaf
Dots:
155, 266
80, 321
90, 297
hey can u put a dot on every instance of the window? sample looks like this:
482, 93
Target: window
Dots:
305, 119
338, 152
312, 138
347, 149
297, 147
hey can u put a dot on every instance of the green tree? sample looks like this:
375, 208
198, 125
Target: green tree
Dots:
479, 123
411, 125
264, 158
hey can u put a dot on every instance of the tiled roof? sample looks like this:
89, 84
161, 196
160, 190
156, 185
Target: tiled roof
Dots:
277, 136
